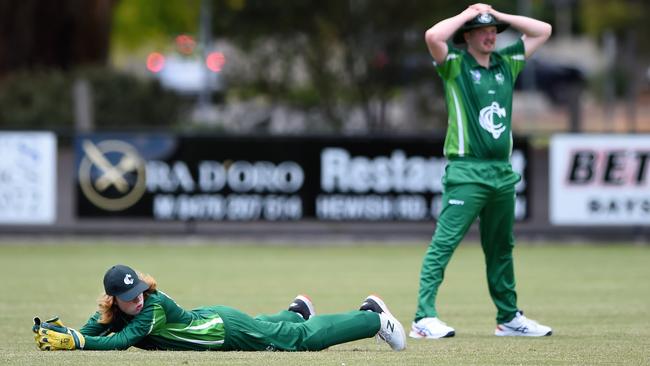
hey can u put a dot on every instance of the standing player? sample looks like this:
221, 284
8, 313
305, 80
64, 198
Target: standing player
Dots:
478, 181
132, 312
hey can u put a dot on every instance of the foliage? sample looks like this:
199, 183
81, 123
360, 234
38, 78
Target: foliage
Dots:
138, 22
60, 34
43, 99
124, 101
626, 22
39, 99
323, 56
615, 15
351, 53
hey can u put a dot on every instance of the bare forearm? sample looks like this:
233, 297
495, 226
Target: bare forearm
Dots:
528, 26
444, 29
535, 32
436, 37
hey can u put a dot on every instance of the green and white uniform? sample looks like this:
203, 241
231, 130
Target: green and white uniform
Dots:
479, 180
163, 325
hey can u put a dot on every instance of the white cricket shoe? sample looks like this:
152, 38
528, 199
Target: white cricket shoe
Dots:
431, 328
522, 326
391, 330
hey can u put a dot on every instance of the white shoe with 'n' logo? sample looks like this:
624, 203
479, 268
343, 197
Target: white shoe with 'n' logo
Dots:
391, 330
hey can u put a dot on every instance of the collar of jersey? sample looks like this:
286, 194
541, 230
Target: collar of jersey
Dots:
472, 61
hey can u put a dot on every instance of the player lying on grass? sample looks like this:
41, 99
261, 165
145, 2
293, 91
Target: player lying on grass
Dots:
132, 312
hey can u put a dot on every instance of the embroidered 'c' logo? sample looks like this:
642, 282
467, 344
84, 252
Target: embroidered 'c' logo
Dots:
486, 119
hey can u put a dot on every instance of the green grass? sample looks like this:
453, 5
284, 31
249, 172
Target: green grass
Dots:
596, 298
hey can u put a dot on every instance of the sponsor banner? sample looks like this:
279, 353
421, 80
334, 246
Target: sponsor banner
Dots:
168, 177
27, 178
600, 180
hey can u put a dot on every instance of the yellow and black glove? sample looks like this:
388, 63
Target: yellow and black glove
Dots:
52, 335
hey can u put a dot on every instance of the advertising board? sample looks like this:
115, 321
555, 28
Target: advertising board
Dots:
28, 178
168, 177
599, 180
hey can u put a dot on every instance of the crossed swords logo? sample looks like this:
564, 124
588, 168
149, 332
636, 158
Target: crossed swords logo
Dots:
96, 187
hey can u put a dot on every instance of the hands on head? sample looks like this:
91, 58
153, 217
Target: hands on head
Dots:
475, 10
481, 8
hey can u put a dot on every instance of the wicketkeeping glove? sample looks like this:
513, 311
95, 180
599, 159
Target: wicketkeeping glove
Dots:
37, 336
52, 335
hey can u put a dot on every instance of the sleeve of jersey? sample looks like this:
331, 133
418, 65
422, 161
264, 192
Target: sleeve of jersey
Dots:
451, 67
93, 327
515, 56
138, 328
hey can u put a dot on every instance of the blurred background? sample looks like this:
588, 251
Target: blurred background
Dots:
302, 68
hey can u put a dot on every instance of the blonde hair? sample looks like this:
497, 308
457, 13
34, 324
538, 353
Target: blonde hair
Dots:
108, 306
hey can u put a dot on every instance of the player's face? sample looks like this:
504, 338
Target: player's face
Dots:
132, 307
482, 39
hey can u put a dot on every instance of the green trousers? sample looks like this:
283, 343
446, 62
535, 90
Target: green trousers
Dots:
288, 331
474, 189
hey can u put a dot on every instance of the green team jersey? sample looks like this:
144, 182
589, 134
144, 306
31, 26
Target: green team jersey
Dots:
160, 325
479, 102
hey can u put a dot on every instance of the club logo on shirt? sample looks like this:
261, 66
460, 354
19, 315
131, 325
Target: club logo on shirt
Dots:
499, 78
486, 119
476, 76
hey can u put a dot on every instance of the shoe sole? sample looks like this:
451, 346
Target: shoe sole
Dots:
417, 335
310, 305
517, 334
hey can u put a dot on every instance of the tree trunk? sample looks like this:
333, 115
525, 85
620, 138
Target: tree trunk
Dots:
54, 34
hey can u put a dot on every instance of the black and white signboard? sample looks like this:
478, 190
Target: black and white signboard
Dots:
168, 177
27, 178
600, 180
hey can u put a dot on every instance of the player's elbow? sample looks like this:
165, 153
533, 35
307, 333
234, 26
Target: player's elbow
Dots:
432, 37
436, 43
547, 30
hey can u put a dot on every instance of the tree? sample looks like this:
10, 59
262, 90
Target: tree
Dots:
623, 23
152, 22
354, 52
54, 34
325, 57
45, 46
